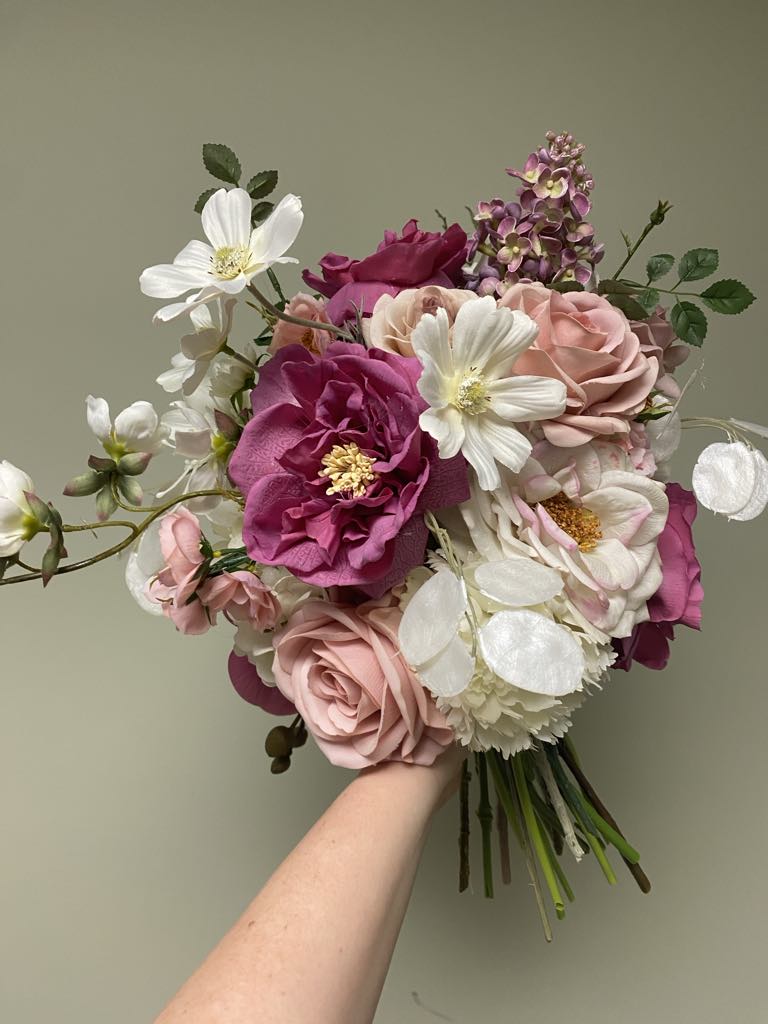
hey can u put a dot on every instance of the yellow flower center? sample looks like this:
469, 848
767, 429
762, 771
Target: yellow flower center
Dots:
578, 522
230, 260
472, 393
348, 469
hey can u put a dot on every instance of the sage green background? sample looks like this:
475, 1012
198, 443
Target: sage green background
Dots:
138, 812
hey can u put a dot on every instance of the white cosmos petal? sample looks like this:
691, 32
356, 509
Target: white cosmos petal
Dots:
450, 672
97, 414
226, 218
490, 338
759, 499
527, 398
503, 441
176, 309
447, 428
530, 651
270, 240
432, 616
137, 425
724, 477
478, 455
166, 280
431, 344
518, 582
434, 386
195, 254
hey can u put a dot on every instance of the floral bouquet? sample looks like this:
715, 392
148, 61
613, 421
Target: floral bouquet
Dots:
431, 498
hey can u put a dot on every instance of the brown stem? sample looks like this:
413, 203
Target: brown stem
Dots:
315, 325
643, 882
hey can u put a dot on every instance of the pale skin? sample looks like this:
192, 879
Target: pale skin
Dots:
315, 944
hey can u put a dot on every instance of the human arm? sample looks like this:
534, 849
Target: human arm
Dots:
316, 943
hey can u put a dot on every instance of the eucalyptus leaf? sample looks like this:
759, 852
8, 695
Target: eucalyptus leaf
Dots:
697, 263
221, 162
728, 296
261, 184
688, 323
203, 198
659, 265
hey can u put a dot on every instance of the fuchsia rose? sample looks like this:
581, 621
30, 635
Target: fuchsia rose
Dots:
243, 597
658, 339
177, 581
356, 412
341, 667
678, 599
251, 687
308, 308
410, 260
588, 344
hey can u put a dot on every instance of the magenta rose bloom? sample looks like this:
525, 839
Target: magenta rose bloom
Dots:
337, 472
678, 599
410, 260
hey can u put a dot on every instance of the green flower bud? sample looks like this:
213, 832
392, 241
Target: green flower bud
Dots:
134, 463
131, 489
84, 484
280, 765
279, 742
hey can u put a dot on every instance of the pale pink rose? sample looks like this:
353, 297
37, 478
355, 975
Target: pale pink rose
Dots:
395, 316
588, 344
308, 308
340, 665
177, 581
658, 339
242, 596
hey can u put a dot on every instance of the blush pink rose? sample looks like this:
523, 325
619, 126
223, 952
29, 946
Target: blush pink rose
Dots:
308, 308
340, 666
394, 317
588, 344
177, 581
242, 596
658, 339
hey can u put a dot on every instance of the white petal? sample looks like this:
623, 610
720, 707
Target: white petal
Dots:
137, 425
530, 651
490, 338
434, 386
226, 218
503, 441
14, 481
278, 232
432, 616
430, 339
181, 370
144, 561
196, 255
664, 435
475, 451
759, 499
11, 515
753, 428
724, 477
166, 280
450, 672
447, 428
527, 398
518, 582
97, 414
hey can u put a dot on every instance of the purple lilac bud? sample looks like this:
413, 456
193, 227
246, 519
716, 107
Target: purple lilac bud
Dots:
543, 235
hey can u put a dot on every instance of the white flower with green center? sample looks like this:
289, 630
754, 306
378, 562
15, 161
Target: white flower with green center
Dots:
235, 255
18, 523
136, 429
189, 367
474, 399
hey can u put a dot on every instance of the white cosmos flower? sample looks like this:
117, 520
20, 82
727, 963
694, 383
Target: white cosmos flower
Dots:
235, 255
17, 520
189, 367
732, 479
474, 402
136, 429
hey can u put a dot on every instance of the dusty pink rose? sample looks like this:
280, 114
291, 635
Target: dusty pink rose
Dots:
588, 344
242, 596
177, 581
308, 308
395, 316
340, 665
659, 340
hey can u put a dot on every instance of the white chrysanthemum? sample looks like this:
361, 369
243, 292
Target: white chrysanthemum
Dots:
474, 400
189, 367
732, 479
235, 255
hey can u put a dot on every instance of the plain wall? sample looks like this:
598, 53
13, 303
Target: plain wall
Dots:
138, 812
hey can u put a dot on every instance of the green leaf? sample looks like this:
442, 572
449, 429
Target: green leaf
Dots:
260, 212
630, 307
688, 323
658, 266
727, 296
221, 162
610, 286
50, 563
203, 198
649, 299
261, 184
697, 263
567, 286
